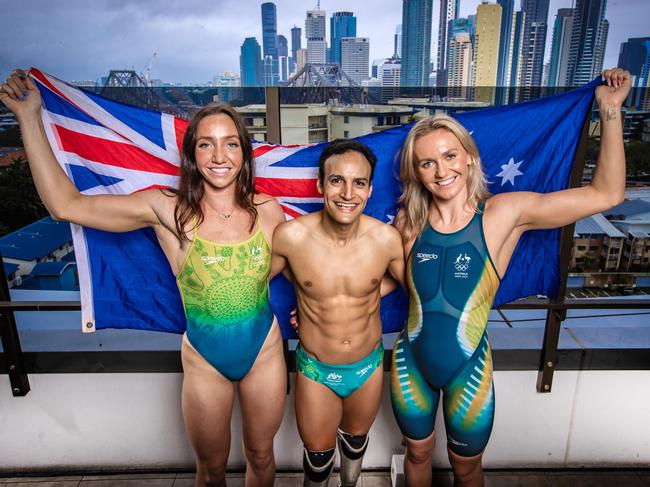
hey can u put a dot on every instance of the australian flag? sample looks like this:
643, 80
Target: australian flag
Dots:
109, 147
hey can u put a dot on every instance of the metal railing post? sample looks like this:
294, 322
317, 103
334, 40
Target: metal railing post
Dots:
273, 125
555, 317
11, 342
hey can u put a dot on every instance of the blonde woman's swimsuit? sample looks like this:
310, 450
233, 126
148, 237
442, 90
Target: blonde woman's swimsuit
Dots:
225, 293
444, 346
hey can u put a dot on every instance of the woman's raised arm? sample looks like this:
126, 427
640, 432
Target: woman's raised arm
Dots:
117, 213
607, 188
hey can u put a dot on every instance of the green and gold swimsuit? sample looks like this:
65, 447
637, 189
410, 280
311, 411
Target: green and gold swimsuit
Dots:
225, 293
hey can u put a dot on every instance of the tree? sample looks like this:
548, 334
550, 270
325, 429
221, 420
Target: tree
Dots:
637, 156
10, 137
21, 204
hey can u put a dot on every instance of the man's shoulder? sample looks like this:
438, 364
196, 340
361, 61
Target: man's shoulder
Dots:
380, 231
297, 228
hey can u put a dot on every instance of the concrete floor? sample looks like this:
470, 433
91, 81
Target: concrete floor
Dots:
494, 478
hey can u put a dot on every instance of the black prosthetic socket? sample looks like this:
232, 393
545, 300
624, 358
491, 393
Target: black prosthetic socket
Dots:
353, 446
318, 464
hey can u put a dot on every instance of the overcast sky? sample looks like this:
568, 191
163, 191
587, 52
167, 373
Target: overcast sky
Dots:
198, 39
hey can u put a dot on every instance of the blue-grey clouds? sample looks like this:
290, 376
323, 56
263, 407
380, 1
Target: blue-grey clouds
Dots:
198, 39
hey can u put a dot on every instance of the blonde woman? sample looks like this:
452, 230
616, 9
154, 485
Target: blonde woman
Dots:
459, 240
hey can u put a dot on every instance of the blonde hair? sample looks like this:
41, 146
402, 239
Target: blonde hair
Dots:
415, 199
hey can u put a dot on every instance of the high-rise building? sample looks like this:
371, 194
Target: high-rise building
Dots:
588, 39
389, 76
270, 43
506, 41
471, 19
283, 46
375, 69
416, 42
517, 53
270, 71
635, 57
448, 11
269, 30
227, 87
342, 24
389, 72
397, 51
296, 38
533, 46
250, 62
486, 51
459, 58
315, 33
560, 45
355, 55
301, 59
284, 68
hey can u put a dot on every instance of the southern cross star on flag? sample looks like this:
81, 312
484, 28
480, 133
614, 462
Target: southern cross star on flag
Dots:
109, 147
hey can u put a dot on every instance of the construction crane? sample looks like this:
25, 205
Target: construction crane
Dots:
146, 73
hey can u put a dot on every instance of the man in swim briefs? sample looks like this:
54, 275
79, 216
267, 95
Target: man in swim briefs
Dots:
336, 259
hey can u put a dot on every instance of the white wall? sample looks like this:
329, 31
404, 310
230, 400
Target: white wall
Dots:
122, 421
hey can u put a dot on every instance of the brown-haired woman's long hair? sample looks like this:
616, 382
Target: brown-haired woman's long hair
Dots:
190, 187
415, 197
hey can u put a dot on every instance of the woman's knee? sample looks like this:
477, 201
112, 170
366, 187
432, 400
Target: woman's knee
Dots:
465, 467
259, 459
210, 472
420, 451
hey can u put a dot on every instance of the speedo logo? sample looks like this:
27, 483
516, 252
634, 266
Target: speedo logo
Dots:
364, 371
334, 377
212, 259
424, 257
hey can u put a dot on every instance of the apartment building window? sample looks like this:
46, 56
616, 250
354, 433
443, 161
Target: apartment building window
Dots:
346, 119
346, 134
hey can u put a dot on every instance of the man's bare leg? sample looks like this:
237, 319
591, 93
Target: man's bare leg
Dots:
418, 461
207, 407
359, 412
262, 396
318, 414
468, 471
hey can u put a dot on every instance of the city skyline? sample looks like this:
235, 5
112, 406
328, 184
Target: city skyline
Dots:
193, 45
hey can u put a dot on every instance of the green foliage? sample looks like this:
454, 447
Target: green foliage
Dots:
593, 147
637, 156
21, 204
10, 137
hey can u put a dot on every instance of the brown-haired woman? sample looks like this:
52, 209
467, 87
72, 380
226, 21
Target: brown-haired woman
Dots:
459, 241
215, 231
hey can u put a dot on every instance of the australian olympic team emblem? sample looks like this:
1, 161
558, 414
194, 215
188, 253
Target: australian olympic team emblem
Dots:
256, 254
462, 264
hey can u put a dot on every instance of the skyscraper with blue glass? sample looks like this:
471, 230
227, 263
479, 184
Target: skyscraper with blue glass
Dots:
416, 42
588, 40
270, 43
250, 62
560, 45
342, 24
533, 46
505, 41
269, 30
448, 12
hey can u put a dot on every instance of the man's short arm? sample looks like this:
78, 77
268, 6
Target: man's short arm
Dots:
279, 261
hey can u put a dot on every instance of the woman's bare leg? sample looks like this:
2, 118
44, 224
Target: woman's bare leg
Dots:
262, 395
418, 461
207, 407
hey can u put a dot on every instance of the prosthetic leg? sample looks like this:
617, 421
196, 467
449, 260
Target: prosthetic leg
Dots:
351, 448
317, 466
